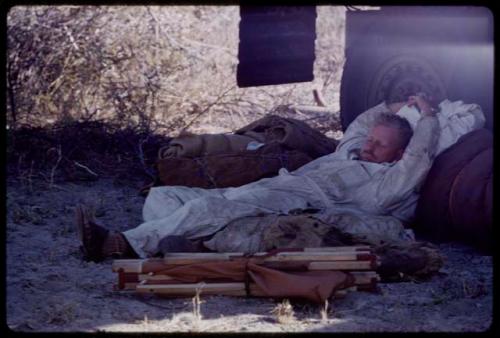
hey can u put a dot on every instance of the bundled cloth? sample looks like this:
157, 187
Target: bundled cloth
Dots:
456, 119
401, 257
229, 160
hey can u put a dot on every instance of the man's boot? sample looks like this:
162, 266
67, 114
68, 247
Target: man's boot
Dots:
99, 243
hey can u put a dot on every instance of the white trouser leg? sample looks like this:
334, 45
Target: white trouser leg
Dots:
197, 218
165, 200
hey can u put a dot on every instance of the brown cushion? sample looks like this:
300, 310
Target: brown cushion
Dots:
457, 197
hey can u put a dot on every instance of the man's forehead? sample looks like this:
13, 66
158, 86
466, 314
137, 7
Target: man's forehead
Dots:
383, 129
384, 132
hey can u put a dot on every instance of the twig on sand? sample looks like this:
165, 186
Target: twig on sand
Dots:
318, 98
60, 188
86, 168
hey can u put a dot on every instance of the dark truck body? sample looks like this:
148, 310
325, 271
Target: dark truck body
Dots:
395, 50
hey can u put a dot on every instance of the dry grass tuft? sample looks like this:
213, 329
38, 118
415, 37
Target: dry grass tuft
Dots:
81, 151
324, 311
197, 304
284, 312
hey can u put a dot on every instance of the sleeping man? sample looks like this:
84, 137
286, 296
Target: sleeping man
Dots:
375, 170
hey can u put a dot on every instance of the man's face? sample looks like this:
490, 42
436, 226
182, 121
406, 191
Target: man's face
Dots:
383, 144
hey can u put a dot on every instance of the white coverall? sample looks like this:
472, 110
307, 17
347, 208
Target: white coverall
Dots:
336, 181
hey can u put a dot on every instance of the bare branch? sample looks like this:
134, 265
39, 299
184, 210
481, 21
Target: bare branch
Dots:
86, 168
53, 171
207, 108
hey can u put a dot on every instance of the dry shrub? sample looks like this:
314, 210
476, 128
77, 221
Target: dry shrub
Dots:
83, 151
165, 68
284, 312
92, 89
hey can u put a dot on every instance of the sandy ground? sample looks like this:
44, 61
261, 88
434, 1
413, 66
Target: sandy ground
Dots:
50, 288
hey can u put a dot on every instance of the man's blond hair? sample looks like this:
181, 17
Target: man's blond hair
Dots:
399, 123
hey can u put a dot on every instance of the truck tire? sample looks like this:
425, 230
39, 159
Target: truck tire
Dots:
394, 52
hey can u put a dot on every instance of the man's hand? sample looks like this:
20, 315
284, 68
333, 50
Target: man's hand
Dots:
422, 104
